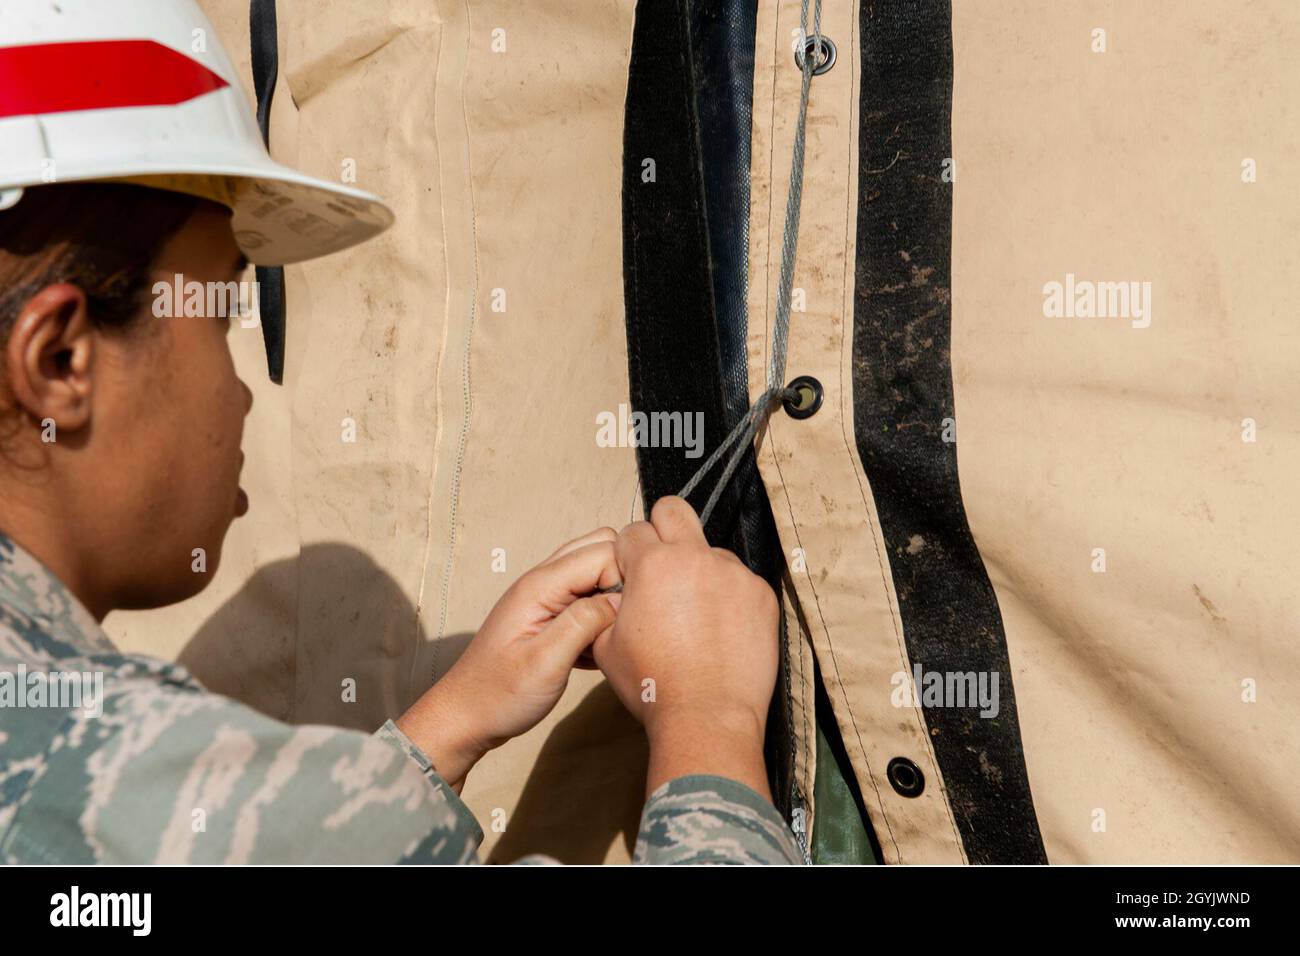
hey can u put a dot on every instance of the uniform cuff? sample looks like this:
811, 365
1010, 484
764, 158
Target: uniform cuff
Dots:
702, 818
392, 735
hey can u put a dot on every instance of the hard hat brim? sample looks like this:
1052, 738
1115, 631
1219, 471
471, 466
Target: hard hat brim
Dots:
279, 216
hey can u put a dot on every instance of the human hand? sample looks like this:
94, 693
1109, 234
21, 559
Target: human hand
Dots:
693, 652
517, 666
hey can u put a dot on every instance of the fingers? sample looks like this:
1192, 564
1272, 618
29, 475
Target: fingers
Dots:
676, 521
591, 537
633, 538
672, 521
576, 628
573, 574
587, 659
729, 555
600, 649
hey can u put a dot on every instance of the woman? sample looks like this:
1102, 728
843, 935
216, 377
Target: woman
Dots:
119, 477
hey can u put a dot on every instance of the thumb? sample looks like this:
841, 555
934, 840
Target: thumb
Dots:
576, 627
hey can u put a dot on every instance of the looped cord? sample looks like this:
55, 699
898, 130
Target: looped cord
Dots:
742, 435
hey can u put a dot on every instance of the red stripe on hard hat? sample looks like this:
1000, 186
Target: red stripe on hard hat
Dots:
96, 75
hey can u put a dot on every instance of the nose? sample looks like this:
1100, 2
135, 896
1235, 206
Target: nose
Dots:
248, 397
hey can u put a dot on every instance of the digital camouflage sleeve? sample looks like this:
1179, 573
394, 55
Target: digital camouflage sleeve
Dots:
114, 758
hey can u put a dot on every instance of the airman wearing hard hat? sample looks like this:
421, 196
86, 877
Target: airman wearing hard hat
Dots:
128, 157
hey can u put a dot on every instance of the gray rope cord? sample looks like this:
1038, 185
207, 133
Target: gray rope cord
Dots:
747, 428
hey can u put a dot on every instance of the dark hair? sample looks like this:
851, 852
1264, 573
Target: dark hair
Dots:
102, 237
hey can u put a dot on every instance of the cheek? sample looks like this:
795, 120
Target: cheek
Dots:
221, 404
205, 410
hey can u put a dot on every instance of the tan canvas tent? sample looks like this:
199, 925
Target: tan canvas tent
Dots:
1043, 270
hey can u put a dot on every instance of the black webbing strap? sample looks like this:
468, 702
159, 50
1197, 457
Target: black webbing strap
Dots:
270, 279
690, 82
903, 405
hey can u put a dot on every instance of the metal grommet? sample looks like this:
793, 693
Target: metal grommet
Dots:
810, 397
810, 46
905, 777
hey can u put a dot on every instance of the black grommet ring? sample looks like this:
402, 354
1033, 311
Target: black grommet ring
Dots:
905, 777
810, 47
809, 400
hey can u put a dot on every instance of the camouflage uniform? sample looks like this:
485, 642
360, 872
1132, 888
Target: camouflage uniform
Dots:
169, 773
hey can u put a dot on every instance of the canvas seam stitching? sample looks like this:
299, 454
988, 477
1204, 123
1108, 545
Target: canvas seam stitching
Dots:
830, 644
437, 406
894, 613
794, 521
463, 439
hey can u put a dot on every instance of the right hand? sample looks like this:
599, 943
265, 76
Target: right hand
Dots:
702, 627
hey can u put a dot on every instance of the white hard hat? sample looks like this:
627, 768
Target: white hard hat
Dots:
142, 91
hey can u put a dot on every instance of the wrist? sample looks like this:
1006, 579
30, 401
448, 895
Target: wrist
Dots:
721, 745
439, 726
735, 727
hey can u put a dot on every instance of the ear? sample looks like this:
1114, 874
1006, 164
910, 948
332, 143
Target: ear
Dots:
50, 356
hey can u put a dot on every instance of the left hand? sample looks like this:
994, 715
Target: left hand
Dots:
517, 666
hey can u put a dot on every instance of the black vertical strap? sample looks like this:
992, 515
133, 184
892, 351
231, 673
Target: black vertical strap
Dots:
685, 247
270, 279
685, 257
903, 392
722, 49
672, 335
721, 36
